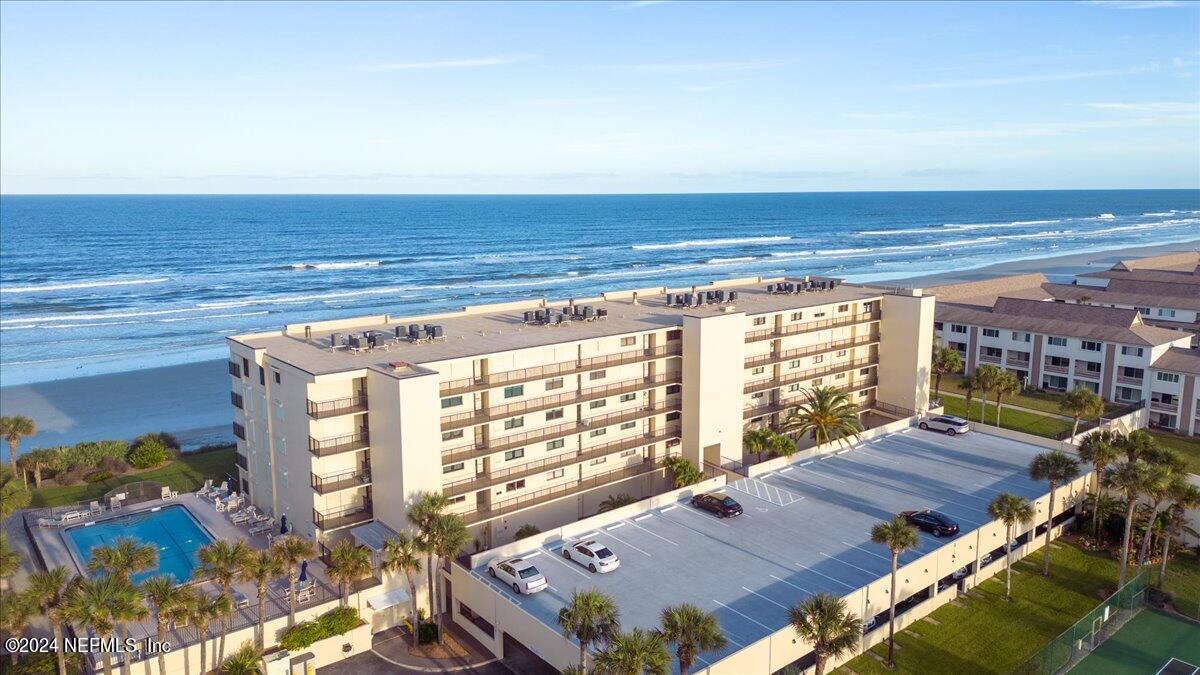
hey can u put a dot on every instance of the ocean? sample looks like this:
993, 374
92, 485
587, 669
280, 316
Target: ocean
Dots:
106, 284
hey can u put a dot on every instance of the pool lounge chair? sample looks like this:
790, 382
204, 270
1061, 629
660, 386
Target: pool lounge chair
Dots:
114, 503
239, 599
168, 493
95, 508
264, 526
49, 522
71, 516
206, 490
239, 517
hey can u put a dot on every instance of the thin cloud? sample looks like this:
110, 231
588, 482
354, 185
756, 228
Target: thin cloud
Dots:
880, 115
710, 66
482, 62
1032, 78
1157, 107
1134, 4
638, 4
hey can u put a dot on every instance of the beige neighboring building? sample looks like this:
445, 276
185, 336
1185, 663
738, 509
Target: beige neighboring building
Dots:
523, 423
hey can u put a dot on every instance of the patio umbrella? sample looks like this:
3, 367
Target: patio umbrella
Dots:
283, 528
303, 571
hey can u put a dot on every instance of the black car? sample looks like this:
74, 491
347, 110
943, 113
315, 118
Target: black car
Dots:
937, 524
721, 505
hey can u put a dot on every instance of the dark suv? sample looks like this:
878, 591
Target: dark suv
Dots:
937, 524
721, 505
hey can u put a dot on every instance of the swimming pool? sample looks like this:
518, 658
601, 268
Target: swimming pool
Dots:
170, 529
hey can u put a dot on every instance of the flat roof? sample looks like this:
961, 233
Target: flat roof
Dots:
805, 529
485, 332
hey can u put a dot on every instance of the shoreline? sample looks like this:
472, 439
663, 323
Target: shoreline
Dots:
191, 400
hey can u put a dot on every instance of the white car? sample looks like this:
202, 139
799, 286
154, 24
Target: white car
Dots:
868, 625
948, 423
591, 554
519, 573
960, 573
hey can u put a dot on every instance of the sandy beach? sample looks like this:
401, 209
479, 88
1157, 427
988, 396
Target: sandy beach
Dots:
192, 400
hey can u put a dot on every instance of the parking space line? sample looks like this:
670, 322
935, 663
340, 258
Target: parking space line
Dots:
730, 638
806, 463
668, 508
613, 527
846, 563
764, 597
839, 480
653, 534
842, 583
882, 459
570, 566
648, 515
790, 468
789, 583
882, 557
743, 615
705, 515
804, 483
630, 545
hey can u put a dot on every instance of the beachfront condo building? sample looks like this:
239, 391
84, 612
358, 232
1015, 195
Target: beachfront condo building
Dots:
536, 412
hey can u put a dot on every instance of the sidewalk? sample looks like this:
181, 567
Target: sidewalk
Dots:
389, 654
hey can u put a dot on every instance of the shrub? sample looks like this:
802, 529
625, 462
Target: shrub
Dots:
166, 440
98, 476
90, 454
42, 664
72, 476
116, 466
148, 454
334, 622
683, 472
527, 530
339, 621
301, 635
427, 634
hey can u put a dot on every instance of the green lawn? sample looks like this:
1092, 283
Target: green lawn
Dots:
1187, 446
1010, 418
1183, 583
1144, 645
1045, 401
987, 634
185, 475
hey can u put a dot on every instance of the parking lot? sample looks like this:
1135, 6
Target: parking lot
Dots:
805, 529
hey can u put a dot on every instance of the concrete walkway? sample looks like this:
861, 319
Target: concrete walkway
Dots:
389, 654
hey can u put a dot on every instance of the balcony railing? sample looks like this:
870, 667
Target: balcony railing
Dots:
551, 493
801, 375
1134, 381
472, 450
520, 375
1050, 368
343, 480
495, 476
1163, 406
989, 358
471, 418
1016, 362
339, 406
1081, 371
779, 406
810, 326
766, 359
324, 447
343, 516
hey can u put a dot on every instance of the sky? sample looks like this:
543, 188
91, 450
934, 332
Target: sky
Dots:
601, 97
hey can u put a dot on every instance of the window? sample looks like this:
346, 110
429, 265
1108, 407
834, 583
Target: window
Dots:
514, 454
1059, 361
1166, 312
1144, 311
556, 383
843, 308
818, 358
555, 444
796, 316
991, 332
451, 435
673, 416
262, 376
1020, 337
597, 374
452, 468
625, 398
598, 404
514, 391
1126, 350
841, 352
597, 432
960, 346
756, 395
628, 425
1054, 382
514, 423
817, 382
758, 371
937, 325
557, 473
599, 460
515, 485
628, 341
458, 500
1089, 366
1089, 345
674, 334
818, 315
864, 371
452, 402
276, 372
1133, 373
839, 376
793, 387
868, 306
246, 366
1128, 394
1166, 377
760, 321
674, 389
629, 453
994, 352
794, 363
555, 414
957, 328
1057, 341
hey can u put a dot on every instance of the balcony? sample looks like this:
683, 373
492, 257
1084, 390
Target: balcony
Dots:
1016, 362
487, 512
495, 476
801, 375
237, 401
767, 359
780, 406
1050, 368
1163, 406
1081, 371
235, 369
343, 516
1130, 381
473, 450
520, 375
240, 460
472, 418
324, 447
810, 326
319, 410
239, 431
343, 480
989, 358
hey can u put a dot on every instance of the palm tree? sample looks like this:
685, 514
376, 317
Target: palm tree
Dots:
90, 603
1080, 403
1103, 507
590, 616
203, 612
1099, 449
692, 631
49, 588
1157, 487
448, 536
242, 662
1139, 445
123, 558
259, 568
220, 562
170, 603
1055, 467
945, 360
1006, 384
898, 536
1128, 477
825, 622
755, 441
1183, 496
613, 502
13, 428
826, 415
291, 550
987, 377
638, 651
128, 606
10, 560
347, 563
780, 445
15, 611
426, 507
1010, 509
970, 385
400, 554
13, 494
